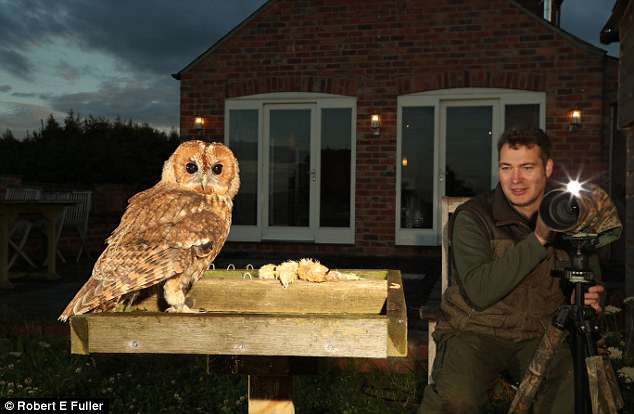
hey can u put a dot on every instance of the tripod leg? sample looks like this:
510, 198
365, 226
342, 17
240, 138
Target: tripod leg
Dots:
536, 369
604, 391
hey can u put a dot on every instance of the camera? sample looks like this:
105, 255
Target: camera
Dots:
562, 210
577, 211
588, 220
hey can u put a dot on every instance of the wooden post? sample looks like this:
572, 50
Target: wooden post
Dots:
4, 251
51, 217
271, 394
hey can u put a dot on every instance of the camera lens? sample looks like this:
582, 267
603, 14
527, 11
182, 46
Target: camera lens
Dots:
559, 210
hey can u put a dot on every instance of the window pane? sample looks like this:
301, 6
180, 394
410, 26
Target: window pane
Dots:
336, 132
417, 168
522, 116
243, 140
468, 153
289, 165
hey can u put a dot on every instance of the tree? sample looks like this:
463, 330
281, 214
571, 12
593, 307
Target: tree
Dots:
88, 151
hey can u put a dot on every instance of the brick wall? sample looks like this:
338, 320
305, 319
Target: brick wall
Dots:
378, 50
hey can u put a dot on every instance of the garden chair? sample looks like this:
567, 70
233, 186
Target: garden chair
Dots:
76, 217
59, 225
447, 206
19, 233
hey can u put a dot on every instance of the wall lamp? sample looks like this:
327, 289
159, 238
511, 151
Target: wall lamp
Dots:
574, 118
199, 125
375, 124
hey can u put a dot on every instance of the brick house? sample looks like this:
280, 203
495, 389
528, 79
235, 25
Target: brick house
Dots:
351, 119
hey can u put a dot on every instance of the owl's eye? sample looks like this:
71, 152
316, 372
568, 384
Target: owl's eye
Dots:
217, 169
191, 167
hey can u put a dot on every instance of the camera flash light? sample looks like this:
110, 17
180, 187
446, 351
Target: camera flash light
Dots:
574, 188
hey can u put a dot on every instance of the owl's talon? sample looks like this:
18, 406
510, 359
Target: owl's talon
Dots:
184, 309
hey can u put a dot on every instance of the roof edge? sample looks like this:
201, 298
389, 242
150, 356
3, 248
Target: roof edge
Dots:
580, 42
218, 42
610, 31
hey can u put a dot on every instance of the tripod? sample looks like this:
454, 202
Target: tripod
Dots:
593, 372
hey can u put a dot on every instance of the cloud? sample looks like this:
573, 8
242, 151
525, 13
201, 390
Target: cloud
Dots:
20, 117
152, 101
16, 64
68, 72
147, 42
158, 37
24, 94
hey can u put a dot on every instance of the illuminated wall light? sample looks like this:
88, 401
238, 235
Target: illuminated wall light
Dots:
375, 124
199, 126
575, 119
404, 162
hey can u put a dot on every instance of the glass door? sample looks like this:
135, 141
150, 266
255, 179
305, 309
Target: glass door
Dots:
290, 172
468, 162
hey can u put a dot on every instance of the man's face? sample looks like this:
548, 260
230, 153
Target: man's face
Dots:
523, 176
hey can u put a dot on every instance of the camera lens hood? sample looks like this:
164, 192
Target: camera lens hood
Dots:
560, 210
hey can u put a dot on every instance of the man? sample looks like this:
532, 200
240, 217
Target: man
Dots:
502, 294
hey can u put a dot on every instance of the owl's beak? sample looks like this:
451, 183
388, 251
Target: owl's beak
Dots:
203, 183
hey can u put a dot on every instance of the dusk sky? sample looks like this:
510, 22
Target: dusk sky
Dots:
115, 57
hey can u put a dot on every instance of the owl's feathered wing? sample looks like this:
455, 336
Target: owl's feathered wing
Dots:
163, 232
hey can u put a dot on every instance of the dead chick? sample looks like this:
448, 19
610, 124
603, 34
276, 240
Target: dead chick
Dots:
337, 275
287, 272
311, 270
267, 272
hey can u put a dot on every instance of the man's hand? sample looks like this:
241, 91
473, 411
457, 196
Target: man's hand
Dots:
592, 297
542, 231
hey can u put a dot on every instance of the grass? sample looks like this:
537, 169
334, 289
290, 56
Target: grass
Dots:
36, 365
41, 366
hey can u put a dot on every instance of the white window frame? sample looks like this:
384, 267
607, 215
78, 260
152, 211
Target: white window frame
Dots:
300, 100
440, 100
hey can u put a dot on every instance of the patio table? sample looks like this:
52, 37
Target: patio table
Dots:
9, 212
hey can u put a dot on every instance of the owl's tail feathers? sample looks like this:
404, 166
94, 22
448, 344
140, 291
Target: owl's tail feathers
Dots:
82, 302
68, 312
71, 310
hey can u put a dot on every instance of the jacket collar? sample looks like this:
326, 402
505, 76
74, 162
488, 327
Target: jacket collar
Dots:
504, 214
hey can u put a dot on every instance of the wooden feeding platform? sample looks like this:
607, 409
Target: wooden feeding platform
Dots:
260, 319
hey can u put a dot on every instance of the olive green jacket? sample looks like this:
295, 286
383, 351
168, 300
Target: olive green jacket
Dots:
501, 281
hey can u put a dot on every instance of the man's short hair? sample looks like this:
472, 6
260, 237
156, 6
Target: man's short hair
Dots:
527, 138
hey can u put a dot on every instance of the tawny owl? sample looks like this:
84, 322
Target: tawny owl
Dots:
169, 233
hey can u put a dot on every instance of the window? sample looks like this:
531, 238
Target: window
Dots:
296, 153
244, 144
417, 168
446, 145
